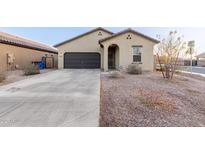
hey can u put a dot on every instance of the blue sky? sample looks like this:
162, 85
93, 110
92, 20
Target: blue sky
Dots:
54, 35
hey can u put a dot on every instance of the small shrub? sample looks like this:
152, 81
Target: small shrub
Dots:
178, 71
115, 74
31, 70
134, 69
2, 77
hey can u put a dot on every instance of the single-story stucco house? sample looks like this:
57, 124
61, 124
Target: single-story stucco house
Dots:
17, 52
100, 48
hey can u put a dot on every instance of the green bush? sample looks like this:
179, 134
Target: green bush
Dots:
134, 69
2, 77
31, 70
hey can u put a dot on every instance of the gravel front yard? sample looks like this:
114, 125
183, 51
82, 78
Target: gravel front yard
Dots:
148, 100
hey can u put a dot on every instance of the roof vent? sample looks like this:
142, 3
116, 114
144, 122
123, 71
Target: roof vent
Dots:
129, 37
100, 34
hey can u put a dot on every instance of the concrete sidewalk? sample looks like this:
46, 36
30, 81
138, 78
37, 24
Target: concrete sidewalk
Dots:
195, 70
58, 98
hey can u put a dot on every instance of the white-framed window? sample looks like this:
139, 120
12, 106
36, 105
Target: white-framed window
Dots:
137, 53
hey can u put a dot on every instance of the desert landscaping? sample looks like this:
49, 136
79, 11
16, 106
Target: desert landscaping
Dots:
17, 75
149, 100
139, 81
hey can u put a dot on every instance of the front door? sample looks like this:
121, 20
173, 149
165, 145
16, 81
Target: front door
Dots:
111, 59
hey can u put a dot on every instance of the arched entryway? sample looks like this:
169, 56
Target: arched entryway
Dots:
113, 56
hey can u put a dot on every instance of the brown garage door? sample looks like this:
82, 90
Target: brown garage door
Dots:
82, 60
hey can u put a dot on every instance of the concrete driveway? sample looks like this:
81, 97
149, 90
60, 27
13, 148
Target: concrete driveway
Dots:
58, 98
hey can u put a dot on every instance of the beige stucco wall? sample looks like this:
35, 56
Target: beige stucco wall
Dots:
126, 53
87, 43
117, 55
23, 56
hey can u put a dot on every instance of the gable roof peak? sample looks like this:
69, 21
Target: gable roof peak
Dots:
132, 31
100, 28
81, 35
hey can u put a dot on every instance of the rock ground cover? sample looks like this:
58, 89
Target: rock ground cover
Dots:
148, 100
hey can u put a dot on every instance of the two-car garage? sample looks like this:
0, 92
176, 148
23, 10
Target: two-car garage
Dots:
83, 51
81, 60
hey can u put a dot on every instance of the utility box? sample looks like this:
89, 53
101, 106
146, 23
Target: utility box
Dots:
10, 58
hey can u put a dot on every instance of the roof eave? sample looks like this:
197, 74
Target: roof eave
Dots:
28, 47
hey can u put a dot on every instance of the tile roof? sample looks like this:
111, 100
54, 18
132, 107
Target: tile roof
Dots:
6, 38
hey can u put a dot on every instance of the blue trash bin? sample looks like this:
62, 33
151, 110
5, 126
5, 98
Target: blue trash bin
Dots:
41, 65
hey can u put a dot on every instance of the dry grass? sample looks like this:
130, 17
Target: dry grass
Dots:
17, 75
156, 99
31, 70
193, 92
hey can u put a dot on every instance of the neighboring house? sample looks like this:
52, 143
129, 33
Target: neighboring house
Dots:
17, 52
201, 59
100, 48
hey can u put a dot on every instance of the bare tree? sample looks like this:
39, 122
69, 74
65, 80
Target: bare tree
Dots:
168, 51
